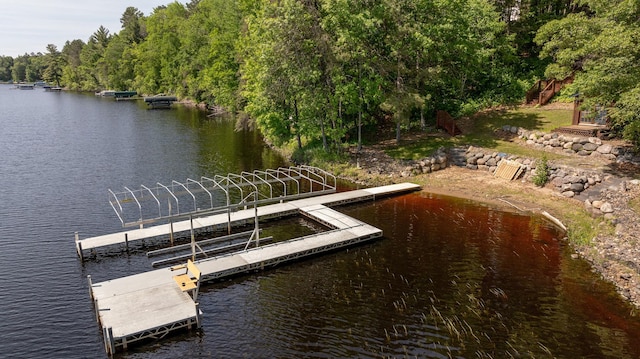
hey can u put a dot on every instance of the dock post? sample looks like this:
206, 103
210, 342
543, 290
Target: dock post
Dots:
80, 252
198, 316
256, 228
170, 223
90, 286
171, 232
79, 248
109, 343
97, 310
126, 242
193, 240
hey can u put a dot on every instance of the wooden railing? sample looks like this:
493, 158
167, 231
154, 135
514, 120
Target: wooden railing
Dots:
446, 122
544, 90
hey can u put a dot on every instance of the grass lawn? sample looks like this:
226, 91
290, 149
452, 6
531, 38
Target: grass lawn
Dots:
480, 130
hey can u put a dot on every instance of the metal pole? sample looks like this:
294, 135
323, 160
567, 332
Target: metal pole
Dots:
90, 286
256, 229
79, 248
170, 222
126, 242
193, 240
198, 316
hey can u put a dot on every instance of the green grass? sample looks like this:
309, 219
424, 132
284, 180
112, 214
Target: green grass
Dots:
635, 205
483, 133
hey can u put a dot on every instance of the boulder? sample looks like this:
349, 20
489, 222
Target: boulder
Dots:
577, 187
558, 181
568, 194
595, 140
606, 208
590, 147
605, 149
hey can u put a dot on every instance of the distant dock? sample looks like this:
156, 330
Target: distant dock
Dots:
118, 95
160, 101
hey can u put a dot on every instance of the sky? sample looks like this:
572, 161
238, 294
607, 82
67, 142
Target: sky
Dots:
28, 26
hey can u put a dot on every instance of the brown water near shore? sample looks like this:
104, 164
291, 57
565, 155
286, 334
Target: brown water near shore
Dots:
451, 277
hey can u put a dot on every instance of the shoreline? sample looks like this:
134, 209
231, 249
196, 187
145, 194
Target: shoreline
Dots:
612, 253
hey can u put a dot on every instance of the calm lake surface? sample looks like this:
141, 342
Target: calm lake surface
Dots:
450, 278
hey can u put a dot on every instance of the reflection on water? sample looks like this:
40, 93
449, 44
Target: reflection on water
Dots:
450, 278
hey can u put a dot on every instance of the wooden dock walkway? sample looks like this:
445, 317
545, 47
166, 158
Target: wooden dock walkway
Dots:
150, 305
240, 217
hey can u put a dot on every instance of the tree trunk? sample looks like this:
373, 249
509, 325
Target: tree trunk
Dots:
360, 100
295, 109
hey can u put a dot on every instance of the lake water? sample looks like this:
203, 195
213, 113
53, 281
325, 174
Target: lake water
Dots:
450, 278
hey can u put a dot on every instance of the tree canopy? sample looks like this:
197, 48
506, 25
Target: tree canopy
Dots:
601, 46
316, 72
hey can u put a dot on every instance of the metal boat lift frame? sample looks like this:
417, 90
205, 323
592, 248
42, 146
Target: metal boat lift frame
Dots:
219, 194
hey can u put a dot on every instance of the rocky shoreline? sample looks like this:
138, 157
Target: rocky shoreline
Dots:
610, 195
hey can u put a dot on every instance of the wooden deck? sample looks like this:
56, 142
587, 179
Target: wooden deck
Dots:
240, 217
582, 130
150, 305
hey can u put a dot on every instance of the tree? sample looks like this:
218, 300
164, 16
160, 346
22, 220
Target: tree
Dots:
53, 71
287, 72
356, 37
6, 63
133, 27
19, 68
70, 72
158, 62
601, 47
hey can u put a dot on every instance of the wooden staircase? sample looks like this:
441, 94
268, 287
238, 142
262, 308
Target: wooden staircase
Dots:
446, 122
543, 90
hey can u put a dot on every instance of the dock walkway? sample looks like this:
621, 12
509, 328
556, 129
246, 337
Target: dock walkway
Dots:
241, 217
149, 305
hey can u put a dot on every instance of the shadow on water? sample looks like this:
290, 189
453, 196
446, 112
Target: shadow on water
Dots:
451, 278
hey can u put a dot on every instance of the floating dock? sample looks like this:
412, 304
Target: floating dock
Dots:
150, 305
241, 217
160, 101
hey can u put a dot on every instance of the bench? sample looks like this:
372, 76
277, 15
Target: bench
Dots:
190, 279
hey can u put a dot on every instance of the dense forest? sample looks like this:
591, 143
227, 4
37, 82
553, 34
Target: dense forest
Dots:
314, 73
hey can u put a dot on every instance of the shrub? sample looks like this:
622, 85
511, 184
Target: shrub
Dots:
541, 176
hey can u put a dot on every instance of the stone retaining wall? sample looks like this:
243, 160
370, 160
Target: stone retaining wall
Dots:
436, 162
569, 181
582, 146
